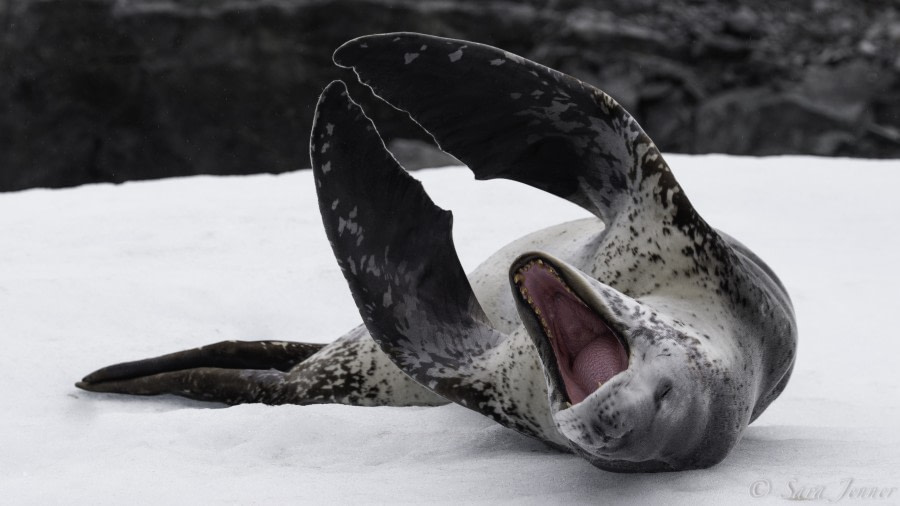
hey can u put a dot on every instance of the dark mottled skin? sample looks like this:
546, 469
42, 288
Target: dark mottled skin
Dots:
709, 328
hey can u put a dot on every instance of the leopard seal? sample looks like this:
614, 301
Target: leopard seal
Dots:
641, 339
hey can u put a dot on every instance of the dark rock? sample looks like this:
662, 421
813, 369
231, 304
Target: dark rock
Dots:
115, 90
867, 47
414, 154
783, 123
670, 109
744, 22
722, 46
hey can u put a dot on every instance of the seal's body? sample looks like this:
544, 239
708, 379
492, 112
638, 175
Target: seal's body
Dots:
641, 339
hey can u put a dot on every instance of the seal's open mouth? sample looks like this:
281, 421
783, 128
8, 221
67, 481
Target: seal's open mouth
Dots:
588, 353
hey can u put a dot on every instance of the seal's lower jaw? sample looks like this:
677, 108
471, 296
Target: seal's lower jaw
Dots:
588, 353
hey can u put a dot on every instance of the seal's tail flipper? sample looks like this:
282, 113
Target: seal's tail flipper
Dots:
229, 386
232, 372
395, 248
508, 117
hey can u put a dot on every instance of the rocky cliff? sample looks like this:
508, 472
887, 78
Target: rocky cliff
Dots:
114, 90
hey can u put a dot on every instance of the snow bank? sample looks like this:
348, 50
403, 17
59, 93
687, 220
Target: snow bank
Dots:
100, 274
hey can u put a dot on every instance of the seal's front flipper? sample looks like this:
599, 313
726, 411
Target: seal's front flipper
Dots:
394, 246
232, 372
508, 117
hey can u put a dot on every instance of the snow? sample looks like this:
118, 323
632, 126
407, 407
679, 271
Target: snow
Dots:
100, 274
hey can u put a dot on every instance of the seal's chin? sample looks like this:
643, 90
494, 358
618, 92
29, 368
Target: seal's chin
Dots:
588, 353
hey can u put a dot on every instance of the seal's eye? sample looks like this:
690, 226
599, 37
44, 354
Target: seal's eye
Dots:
588, 353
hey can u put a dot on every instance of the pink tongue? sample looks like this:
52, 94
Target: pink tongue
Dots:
597, 362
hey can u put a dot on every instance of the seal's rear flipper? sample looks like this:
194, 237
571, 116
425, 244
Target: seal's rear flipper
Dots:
508, 117
394, 246
232, 372
229, 386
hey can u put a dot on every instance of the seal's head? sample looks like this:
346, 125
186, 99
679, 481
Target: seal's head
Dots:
630, 387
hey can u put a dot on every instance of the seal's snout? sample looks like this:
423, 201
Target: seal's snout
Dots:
586, 351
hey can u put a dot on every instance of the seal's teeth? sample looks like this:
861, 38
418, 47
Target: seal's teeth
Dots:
540, 262
546, 328
568, 404
517, 278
